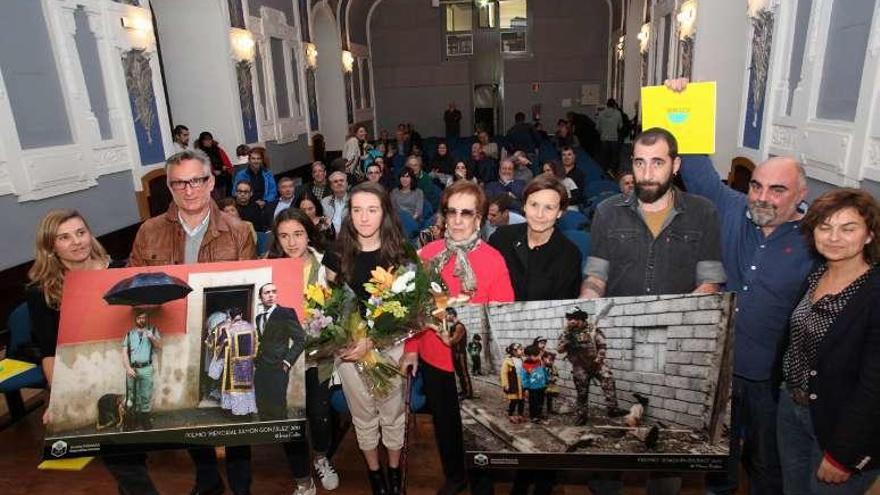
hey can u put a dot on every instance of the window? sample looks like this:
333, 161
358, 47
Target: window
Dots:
294, 65
31, 77
844, 59
261, 82
280, 76
798, 46
90, 61
487, 15
356, 82
365, 67
459, 18
513, 14
459, 44
514, 22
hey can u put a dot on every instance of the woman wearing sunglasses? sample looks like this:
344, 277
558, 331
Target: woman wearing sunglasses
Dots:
467, 266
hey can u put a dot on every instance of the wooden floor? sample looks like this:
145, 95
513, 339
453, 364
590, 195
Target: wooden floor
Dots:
173, 474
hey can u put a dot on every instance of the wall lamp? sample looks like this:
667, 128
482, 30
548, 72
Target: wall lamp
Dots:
347, 61
139, 28
311, 55
644, 36
687, 19
243, 44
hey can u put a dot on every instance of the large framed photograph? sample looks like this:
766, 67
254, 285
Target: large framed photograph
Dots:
162, 357
635, 383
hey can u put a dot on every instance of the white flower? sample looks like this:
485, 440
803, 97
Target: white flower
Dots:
435, 287
404, 283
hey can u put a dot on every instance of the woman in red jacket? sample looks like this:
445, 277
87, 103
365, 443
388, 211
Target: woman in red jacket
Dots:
468, 266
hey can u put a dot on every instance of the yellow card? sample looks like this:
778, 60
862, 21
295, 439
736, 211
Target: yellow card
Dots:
72, 464
689, 115
12, 367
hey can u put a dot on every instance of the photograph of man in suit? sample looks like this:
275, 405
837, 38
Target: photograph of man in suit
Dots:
281, 342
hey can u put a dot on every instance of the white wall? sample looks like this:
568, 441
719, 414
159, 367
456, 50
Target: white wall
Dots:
202, 88
632, 69
329, 81
720, 54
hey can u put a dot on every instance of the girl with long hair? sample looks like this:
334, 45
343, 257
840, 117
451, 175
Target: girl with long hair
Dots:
295, 236
408, 197
370, 236
354, 151
309, 204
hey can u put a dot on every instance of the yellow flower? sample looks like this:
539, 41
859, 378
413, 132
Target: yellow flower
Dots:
317, 294
382, 278
395, 308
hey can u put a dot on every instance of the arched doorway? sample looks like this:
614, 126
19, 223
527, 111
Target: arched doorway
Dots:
329, 79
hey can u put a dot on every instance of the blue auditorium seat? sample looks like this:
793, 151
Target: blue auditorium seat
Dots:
581, 239
571, 220
19, 325
597, 187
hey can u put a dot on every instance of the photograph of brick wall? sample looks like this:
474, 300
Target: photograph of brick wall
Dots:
665, 387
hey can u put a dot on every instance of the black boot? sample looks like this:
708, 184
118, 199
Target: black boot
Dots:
395, 478
377, 482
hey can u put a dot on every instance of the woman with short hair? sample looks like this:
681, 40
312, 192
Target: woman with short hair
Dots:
829, 407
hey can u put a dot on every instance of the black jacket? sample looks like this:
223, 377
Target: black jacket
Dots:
846, 382
553, 271
283, 338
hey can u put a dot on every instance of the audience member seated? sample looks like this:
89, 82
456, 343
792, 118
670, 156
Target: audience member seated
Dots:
507, 185
260, 176
336, 205
522, 136
575, 195
499, 214
423, 181
284, 201
248, 210
569, 163
221, 167
228, 206
483, 168
523, 164
563, 136
314, 209
626, 181
318, 186
408, 197
490, 150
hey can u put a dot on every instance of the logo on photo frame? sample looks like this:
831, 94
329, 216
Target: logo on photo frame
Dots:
481, 460
59, 448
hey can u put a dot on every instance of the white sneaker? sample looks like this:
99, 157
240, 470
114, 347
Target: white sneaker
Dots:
326, 473
308, 489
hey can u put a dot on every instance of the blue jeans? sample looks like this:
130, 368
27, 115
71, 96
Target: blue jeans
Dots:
801, 455
752, 440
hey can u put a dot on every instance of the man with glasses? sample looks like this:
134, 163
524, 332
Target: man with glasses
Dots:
507, 185
374, 173
194, 230
248, 210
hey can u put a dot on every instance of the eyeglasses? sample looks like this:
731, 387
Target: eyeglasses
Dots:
194, 183
465, 213
243, 191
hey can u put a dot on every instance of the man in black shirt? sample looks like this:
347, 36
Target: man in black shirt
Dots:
452, 119
247, 209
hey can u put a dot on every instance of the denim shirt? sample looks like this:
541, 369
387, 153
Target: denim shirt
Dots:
766, 272
632, 262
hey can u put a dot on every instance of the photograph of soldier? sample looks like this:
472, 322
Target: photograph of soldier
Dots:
584, 347
511, 383
474, 350
233, 365
139, 349
282, 340
458, 342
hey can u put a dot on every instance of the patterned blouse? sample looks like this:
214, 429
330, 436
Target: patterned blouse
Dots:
809, 323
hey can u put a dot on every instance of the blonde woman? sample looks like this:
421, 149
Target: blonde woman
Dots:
64, 243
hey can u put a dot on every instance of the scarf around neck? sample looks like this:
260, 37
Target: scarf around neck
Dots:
463, 270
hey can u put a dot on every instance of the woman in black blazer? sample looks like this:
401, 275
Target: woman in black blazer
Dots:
829, 407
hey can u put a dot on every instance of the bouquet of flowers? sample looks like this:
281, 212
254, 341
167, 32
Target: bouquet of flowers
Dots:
403, 302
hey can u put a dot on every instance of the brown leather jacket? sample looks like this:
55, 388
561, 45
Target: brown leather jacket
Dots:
161, 240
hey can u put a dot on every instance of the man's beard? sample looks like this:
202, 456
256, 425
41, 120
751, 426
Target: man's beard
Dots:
763, 213
646, 195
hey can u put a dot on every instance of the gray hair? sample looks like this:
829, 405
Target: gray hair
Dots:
199, 155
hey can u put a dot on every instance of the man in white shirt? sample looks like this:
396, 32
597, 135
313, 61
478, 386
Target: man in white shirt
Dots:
336, 205
180, 137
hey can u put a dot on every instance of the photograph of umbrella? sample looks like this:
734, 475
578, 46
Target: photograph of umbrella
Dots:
147, 289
